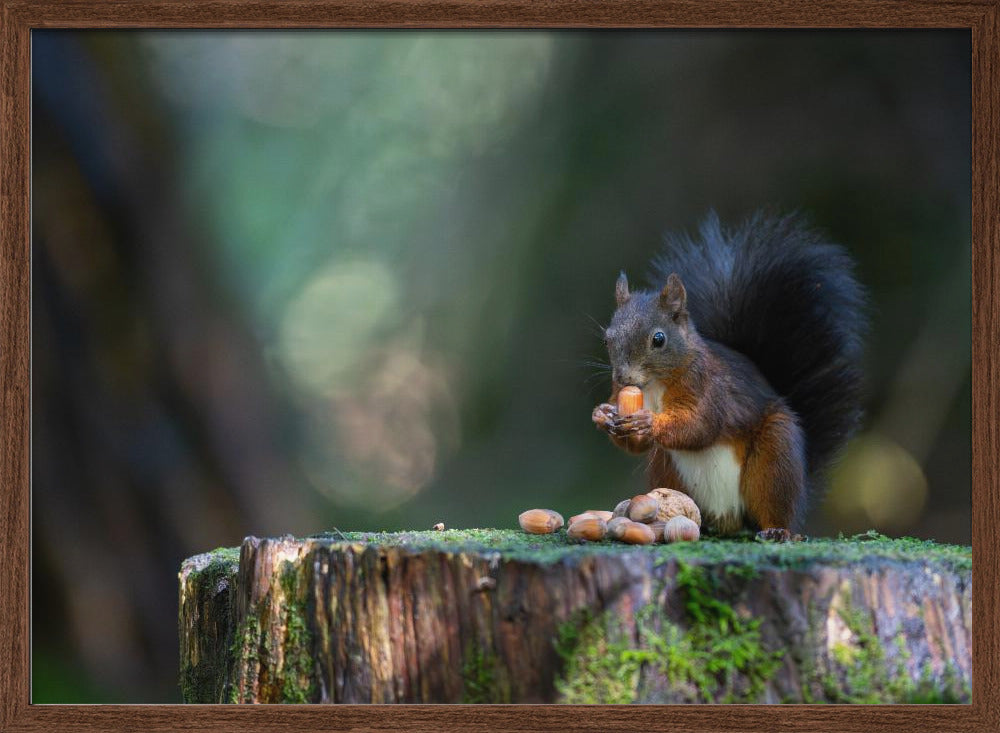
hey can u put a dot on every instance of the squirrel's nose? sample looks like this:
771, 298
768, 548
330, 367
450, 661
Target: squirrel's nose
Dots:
623, 376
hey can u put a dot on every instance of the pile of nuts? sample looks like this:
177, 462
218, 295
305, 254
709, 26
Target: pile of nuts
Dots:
662, 515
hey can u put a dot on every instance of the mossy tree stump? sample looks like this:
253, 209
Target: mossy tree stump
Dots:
500, 616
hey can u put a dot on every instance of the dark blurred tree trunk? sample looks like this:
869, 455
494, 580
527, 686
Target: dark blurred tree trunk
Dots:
154, 429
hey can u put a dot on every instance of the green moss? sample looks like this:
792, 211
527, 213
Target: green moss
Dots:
725, 657
516, 545
948, 689
297, 672
226, 555
193, 683
596, 669
208, 577
717, 656
293, 682
480, 681
207, 570
862, 673
245, 654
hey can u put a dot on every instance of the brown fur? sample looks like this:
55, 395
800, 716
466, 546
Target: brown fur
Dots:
706, 403
772, 480
770, 342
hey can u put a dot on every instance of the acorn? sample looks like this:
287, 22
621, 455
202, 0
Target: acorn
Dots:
675, 503
629, 400
644, 508
681, 529
540, 521
616, 527
637, 533
588, 528
621, 509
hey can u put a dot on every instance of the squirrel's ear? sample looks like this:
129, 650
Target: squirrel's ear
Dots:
621, 290
673, 297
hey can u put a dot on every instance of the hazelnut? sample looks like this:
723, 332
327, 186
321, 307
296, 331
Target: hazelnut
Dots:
629, 400
621, 509
540, 521
643, 508
599, 513
681, 529
657, 528
637, 533
616, 527
588, 528
675, 503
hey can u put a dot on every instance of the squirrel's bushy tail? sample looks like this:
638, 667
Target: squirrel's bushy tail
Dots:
785, 297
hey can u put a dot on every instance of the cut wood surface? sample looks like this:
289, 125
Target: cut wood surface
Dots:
500, 616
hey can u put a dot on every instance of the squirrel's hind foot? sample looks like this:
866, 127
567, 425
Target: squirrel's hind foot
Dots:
776, 534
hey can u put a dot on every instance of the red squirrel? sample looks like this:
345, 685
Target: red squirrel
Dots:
748, 355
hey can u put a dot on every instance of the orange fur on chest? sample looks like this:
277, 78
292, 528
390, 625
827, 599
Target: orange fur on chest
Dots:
741, 462
670, 396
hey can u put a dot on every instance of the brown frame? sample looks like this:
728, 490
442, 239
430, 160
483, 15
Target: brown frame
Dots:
19, 17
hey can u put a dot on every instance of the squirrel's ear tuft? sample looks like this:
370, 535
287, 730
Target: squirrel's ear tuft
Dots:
621, 290
673, 297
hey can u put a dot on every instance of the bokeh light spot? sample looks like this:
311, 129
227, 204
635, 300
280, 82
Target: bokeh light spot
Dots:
877, 483
391, 431
329, 326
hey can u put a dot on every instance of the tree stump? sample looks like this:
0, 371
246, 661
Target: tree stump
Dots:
501, 616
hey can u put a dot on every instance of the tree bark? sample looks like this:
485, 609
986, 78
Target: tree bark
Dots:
321, 620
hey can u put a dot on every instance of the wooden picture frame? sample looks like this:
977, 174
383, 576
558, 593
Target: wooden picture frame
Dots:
20, 17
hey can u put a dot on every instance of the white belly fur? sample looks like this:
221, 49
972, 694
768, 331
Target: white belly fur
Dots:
712, 477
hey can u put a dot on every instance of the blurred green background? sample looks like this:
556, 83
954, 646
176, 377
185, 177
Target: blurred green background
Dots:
284, 282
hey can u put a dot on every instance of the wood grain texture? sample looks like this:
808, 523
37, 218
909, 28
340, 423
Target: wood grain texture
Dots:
18, 18
15, 335
985, 378
500, 13
324, 620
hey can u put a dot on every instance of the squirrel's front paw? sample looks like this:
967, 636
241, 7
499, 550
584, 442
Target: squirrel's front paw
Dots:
637, 425
604, 416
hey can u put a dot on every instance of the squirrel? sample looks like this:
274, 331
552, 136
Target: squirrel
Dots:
748, 355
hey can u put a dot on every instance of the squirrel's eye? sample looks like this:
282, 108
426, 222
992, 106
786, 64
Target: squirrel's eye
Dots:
659, 338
